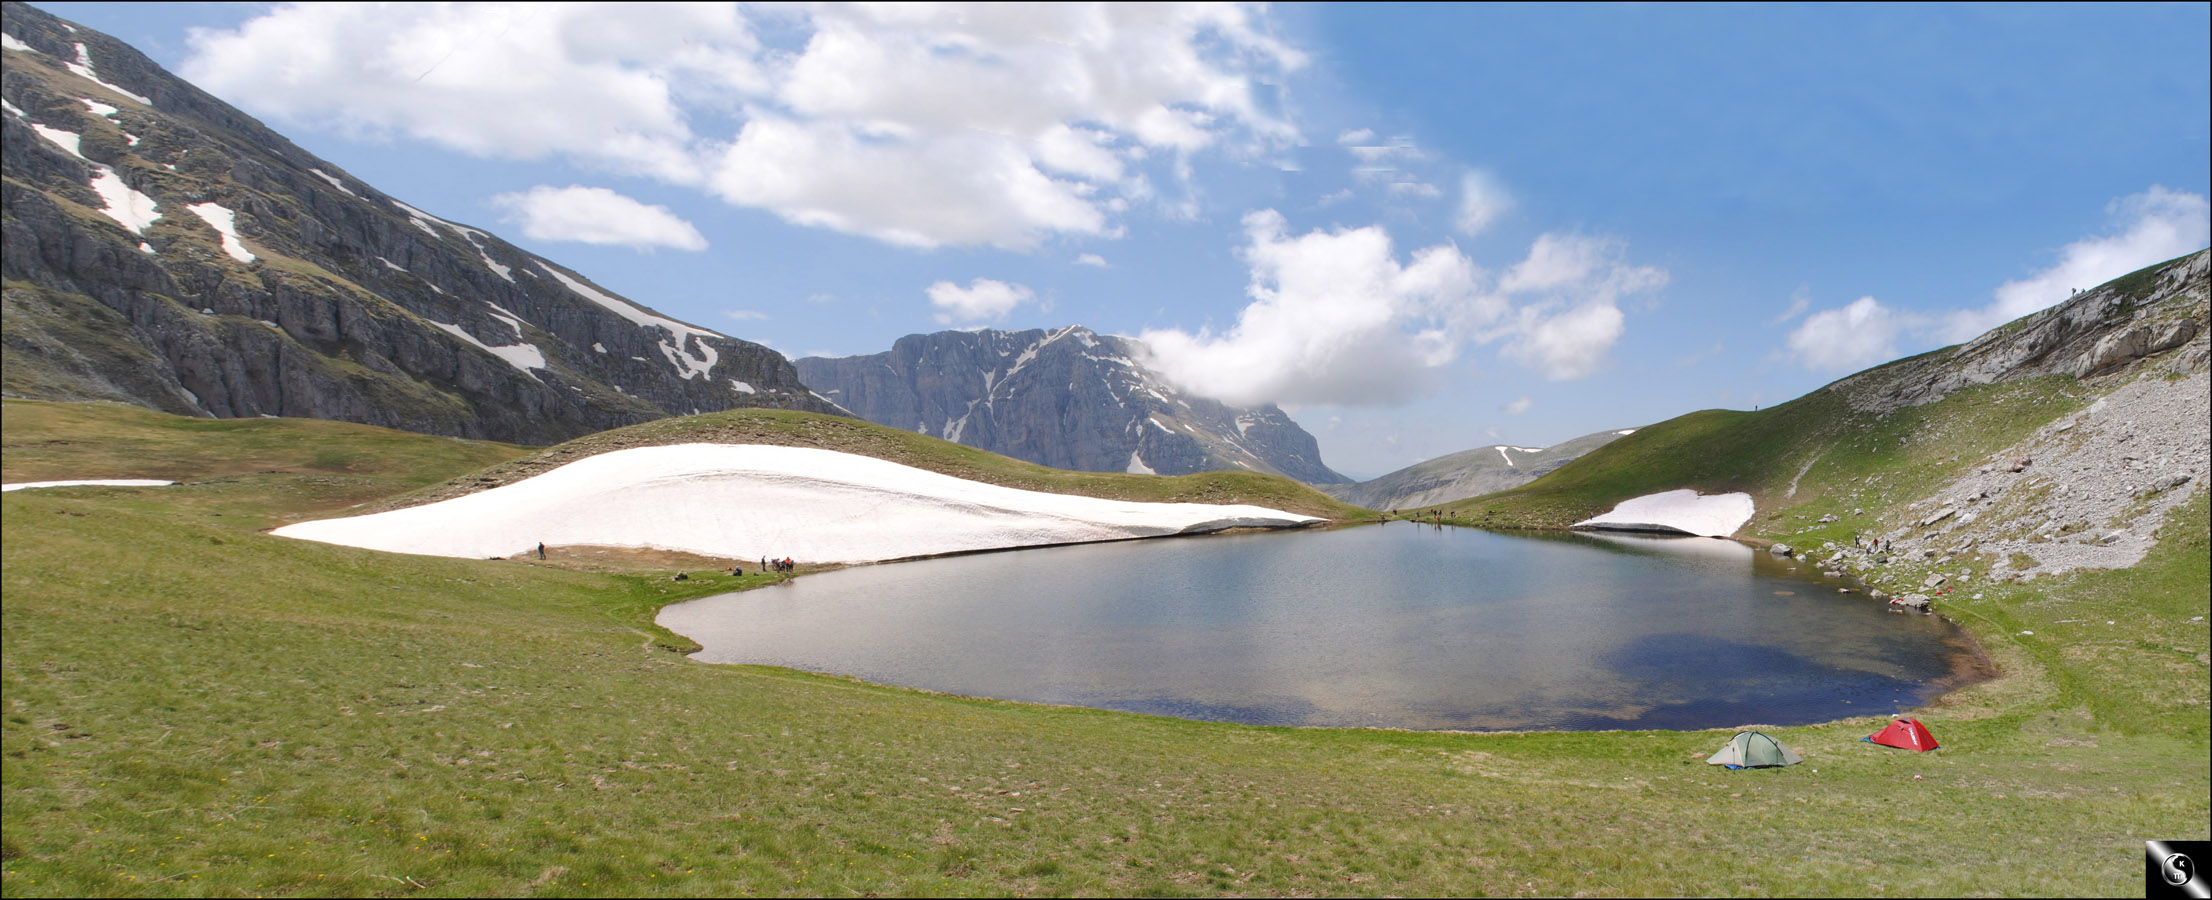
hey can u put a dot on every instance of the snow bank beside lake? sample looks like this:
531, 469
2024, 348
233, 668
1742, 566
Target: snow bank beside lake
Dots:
746, 502
1677, 512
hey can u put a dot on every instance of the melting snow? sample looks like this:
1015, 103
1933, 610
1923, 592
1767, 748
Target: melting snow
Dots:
749, 501
334, 182
390, 264
678, 353
10, 107
741, 387
98, 108
425, 226
524, 356
127, 207
1629, 431
67, 140
224, 221
83, 68
1682, 511
1508, 459
144, 247
95, 482
8, 40
1137, 466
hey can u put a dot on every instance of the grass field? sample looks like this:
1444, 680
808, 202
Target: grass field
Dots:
195, 708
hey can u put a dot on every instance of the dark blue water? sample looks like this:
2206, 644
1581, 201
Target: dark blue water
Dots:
1398, 626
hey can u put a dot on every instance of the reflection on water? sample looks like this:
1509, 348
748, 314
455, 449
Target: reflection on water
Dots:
1399, 626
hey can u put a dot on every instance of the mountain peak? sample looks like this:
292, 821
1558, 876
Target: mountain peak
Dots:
1067, 397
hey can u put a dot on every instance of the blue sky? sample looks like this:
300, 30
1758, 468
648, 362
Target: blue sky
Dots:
1420, 228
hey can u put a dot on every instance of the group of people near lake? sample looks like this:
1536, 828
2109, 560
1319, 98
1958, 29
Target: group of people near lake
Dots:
767, 565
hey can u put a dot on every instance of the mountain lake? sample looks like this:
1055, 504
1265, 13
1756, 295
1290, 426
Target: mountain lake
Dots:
1391, 626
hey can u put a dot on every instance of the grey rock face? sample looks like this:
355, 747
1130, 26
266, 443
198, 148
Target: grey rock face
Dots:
333, 300
2094, 333
1068, 398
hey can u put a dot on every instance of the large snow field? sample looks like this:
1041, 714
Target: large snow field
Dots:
1683, 511
88, 482
748, 501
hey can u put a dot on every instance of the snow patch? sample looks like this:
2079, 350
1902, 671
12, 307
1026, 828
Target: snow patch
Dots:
524, 356
8, 40
146, 248
390, 264
425, 226
94, 482
98, 108
1628, 431
225, 223
741, 387
678, 353
83, 68
1508, 459
334, 182
67, 140
127, 207
12, 110
1137, 466
749, 501
1682, 511
597, 347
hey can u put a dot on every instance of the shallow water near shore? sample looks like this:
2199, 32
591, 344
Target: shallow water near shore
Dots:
1395, 626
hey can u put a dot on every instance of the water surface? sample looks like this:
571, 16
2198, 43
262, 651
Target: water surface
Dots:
1401, 626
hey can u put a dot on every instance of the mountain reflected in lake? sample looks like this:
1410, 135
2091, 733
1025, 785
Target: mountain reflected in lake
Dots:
1397, 626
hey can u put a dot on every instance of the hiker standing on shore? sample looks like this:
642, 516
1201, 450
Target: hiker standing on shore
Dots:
541, 549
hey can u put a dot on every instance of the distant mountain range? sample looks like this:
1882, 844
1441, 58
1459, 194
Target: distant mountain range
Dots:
1069, 398
165, 249
1468, 473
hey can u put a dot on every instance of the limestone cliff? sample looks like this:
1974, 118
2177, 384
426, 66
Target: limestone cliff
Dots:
1068, 398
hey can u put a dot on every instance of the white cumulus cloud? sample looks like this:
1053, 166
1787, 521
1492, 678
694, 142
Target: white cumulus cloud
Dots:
1337, 319
595, 215
1568, 292
983, 298
919, 125
1093, 260
2153, 226
1518, 406
1848, 339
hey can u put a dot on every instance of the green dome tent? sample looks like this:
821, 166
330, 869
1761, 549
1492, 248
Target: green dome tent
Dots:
1753, 750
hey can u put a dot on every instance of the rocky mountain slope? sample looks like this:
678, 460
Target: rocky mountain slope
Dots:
2057, 443
1068, 398
1468, 473
164, 249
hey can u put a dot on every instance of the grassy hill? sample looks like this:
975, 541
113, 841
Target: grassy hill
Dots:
194, 707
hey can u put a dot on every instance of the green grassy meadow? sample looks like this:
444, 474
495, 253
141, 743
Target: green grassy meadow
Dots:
196, 708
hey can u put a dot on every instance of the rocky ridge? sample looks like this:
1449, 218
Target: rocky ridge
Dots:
2087, 490
1069, 398
1468, 473
164, 249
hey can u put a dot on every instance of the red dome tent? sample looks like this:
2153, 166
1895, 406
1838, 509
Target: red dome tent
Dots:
1905, 733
